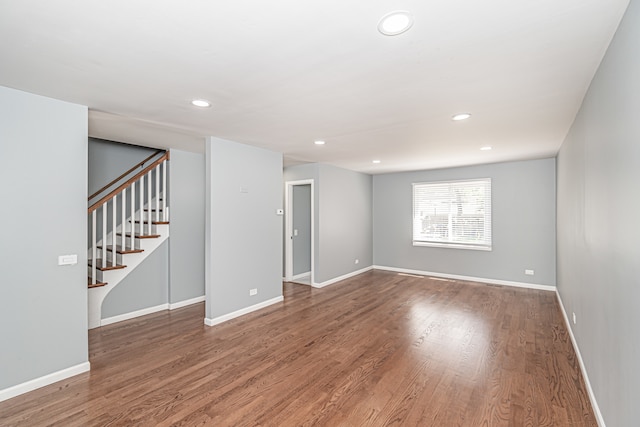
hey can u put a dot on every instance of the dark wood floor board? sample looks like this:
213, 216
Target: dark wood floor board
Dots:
379, 349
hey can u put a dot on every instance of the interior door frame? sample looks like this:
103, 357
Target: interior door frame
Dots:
288, 211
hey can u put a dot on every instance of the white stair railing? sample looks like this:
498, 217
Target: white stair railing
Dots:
131, 198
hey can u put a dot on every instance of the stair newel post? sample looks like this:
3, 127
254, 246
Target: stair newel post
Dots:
104, 234
123, 235
149, 177
94, 258
133, 212
164, 190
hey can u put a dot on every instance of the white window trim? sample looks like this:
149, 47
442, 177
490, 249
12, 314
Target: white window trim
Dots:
452, 245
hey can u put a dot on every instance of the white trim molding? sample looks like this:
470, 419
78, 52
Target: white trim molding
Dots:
180, 304
242, 311
592, 397
133, 314
54, 377
550, 288
343, 277
301, 275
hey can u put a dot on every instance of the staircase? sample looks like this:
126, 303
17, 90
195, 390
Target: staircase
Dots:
126, 225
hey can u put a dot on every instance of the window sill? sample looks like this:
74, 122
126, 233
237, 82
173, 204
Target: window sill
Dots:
454, 246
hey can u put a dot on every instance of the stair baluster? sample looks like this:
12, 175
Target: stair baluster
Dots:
133, 214
157, 195
93, 248
164, 190
149, 182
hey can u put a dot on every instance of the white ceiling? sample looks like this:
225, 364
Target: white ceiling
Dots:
283, 73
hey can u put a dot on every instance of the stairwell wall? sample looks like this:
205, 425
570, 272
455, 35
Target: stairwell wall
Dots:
43, 319
174, 273
108, 159
186, 241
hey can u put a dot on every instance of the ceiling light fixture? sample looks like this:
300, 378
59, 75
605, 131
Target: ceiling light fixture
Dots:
486, 148
376, 161
202, 103
461, 116
318, 142
396, 22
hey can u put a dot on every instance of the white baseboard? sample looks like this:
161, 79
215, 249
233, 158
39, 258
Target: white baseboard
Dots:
301, 275
468, 278
343, 277
180, 304
242, 311
133, 314
592, 397
31, 385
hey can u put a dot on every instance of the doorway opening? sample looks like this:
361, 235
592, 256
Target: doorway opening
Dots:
299, 232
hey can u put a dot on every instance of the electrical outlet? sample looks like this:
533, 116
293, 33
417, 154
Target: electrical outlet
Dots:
357, 261
528, 272
253, 292
574, 318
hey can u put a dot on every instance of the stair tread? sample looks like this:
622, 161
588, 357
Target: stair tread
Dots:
121, 251
108, 267
138, 236
95, 285
153, 210
153, 222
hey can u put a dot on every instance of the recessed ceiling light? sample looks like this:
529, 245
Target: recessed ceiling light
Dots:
396, 22
203, 103
318, 142
486, 148
461, 116
376, 161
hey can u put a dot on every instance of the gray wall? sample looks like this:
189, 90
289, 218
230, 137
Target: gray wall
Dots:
343, 206
523, 223
43, 319
145, 286
598, 227
107, 160
243, 235
302, 224
186, 241
345, 222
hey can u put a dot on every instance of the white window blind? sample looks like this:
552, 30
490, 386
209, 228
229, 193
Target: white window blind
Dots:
452, 214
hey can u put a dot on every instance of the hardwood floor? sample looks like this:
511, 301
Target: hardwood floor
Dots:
379, 349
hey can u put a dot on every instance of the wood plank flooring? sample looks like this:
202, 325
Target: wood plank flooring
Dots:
380, 349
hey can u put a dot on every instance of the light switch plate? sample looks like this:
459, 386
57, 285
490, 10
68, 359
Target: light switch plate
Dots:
67, 259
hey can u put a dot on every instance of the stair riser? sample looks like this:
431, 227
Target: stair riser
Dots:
109, 256
100, 276
145, 229
136, 242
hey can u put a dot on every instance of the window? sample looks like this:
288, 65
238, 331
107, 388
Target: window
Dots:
455, 214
